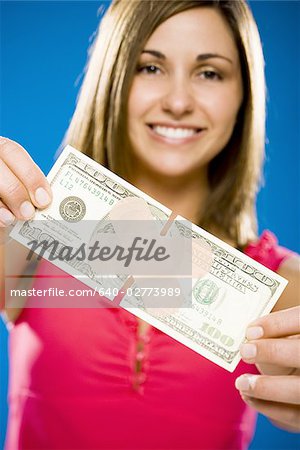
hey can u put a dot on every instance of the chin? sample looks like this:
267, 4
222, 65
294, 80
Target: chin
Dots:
171, 164
172, 171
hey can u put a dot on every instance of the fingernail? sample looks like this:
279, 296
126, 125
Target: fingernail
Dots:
254, 333
27, 210
6, 217
245, 382
42, 197
248, 351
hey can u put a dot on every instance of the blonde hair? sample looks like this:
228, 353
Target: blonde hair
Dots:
99, 124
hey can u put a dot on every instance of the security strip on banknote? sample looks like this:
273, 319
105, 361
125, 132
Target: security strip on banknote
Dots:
205, 292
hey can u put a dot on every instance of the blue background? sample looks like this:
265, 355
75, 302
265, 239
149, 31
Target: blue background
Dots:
43, 52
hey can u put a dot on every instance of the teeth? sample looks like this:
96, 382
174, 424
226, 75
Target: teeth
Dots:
174, 133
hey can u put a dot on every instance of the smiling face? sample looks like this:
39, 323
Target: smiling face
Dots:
186, 94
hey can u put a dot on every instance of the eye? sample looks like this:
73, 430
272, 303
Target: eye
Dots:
150, 69
210, 75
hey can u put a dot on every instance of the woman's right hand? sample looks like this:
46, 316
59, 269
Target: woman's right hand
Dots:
23, 186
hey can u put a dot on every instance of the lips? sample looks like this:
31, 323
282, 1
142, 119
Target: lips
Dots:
175, 132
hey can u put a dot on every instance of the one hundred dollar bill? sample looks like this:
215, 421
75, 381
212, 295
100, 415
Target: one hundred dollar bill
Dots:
228, 291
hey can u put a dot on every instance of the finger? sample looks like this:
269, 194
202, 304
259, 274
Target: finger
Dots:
284, 389
23, 167
281, 352
6, 216
14, 194
277, 324
280, 412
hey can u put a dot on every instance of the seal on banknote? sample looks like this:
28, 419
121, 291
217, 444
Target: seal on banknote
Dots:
72, 209
205, 292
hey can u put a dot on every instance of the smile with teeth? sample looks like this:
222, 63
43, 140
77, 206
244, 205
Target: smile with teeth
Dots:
174, 133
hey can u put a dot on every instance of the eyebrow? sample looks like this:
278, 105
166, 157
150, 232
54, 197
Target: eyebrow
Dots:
205, 56
155, 53
201, 57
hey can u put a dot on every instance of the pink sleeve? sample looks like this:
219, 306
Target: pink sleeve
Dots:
267, 251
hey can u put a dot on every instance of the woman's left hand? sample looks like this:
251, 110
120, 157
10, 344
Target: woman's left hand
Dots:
274, 346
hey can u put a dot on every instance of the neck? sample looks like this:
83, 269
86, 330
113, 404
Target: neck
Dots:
184, 196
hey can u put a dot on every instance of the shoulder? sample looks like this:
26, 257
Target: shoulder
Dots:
267, 251
290, 269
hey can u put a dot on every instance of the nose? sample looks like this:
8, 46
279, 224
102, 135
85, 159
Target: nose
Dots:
178, 100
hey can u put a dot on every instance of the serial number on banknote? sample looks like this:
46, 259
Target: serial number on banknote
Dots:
141, 292
69, 181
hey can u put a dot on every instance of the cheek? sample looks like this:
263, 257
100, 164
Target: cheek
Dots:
137, 103
232, 107
222, 106
144, 97
133, 104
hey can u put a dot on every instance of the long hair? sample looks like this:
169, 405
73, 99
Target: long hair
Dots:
99, 124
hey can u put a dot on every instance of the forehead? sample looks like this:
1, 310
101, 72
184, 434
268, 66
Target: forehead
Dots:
197, 30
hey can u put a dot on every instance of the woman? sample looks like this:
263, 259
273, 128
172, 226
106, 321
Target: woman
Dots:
173, 101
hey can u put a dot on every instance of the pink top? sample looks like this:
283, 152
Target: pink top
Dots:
74, 382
